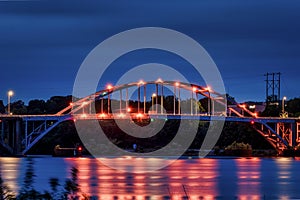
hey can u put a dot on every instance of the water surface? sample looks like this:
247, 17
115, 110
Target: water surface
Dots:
207, 178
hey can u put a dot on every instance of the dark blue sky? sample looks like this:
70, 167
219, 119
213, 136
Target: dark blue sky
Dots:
43, 43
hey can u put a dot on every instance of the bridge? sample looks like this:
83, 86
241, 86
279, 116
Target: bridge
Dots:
169, 100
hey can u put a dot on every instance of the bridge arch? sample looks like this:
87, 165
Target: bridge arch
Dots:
280, 132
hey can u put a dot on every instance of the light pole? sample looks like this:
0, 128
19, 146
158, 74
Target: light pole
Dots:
208, 101
9, 95
153, 96
283, 99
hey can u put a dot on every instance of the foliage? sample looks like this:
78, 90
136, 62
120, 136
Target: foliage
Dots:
70, 191
18, 107
36, 107
293, 107
2, 107
238, 146
5, 192
71, 185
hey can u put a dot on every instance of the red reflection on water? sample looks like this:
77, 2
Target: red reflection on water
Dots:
248, 174
193, 178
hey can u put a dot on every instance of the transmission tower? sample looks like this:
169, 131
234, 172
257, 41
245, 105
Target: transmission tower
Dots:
272, 88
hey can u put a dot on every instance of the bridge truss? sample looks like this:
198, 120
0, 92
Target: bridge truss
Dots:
113, 102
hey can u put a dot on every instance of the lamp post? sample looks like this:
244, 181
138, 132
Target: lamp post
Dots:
283, 99
153, 96
208, 101
9, 95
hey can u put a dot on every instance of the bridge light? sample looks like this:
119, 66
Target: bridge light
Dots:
141, 82
154, 95
252, 106
129, 109
121, 115
177, 84
102, 115
243, 106
208, 89
159, 80
252, 122
79, 150
194, 89
84, 103
139, 115
71, 104
83, 115
109, 87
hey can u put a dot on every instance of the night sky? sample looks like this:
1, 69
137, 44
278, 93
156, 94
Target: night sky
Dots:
43, 43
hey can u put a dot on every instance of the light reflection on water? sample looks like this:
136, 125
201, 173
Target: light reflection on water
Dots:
193, 178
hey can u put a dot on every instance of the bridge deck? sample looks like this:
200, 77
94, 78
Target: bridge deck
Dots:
153, 116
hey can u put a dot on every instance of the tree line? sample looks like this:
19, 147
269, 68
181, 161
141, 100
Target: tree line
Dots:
57, 103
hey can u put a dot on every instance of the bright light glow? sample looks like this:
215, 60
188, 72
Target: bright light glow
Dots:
194, 89
83, 115
284, 98
79, 148
128, 109
84, 103
252, 122
252, 106
109, 87
177, 84
10, 93
102, 115
207, 88
139, 115
243, 106
154, 95
159, 80
121, 115
141, 82
71, 104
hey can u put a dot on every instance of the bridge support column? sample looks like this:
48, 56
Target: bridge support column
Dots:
297, 132
18, 137
2, 130
294, 134
26, 133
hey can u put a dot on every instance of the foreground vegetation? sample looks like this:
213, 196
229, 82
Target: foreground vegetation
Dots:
70, 190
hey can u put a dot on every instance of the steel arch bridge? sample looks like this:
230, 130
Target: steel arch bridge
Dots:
279, 132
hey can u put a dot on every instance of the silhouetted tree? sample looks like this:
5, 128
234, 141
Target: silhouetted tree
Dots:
5, 192
2, 107
57, 103
36, 107
293, 107
18, 107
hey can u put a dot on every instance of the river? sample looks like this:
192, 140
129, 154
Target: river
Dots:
207, 178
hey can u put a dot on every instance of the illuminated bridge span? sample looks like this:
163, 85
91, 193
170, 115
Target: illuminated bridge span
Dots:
152, 100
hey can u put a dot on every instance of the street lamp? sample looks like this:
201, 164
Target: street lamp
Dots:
153, 96
9, 95
208, 100
283, 99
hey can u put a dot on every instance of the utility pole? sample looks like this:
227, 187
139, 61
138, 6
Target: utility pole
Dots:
273, 88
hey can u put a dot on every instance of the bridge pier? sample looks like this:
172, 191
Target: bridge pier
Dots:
297, 132
11, 134
2, 130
